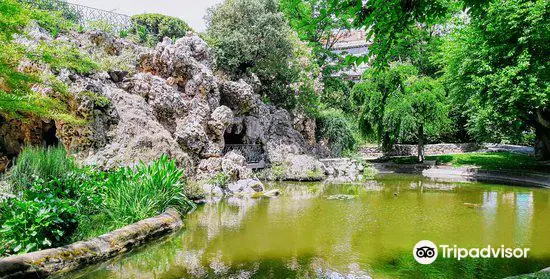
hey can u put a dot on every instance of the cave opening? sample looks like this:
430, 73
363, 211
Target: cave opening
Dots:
234, 136
49, 137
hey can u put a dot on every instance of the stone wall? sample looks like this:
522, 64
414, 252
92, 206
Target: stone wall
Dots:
48, 262
445, 148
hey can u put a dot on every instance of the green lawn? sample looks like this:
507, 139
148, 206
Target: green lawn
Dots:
488, 161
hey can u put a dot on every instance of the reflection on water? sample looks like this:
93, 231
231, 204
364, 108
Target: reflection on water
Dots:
302, 234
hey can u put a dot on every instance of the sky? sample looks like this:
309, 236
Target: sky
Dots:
192, 11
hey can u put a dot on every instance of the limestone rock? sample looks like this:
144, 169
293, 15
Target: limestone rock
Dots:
137, 137
190, 134
239, 96
246, 187
234, 165
303, 168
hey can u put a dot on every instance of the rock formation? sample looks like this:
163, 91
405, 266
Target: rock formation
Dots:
167, 100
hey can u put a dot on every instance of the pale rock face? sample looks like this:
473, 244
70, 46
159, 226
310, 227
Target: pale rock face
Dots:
219, 120
303, 168
306, 126
167, 102
239, 96
138, 136
234, 164
246, 187
190, 134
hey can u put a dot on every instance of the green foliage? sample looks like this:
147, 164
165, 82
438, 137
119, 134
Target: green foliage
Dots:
369, 97
41, 164
63, 56
60, 8
17, 100
101, 25
497, 68
252, 36
52, 21
221, 179
133, 194
55, 202
398, 104
307, 83
336, 128
13, 18
489, 161
152, 28
393, 24
336, 93
30, 224
316, 23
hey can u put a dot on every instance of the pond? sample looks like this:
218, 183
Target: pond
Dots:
366, 230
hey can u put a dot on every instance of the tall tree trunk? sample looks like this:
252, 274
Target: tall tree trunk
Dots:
542, 131
421, 143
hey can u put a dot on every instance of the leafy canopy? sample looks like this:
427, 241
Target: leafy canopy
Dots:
152, 28
398, 104
497, 67
252, 36
17, 99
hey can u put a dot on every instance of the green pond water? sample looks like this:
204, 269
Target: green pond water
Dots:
310, 233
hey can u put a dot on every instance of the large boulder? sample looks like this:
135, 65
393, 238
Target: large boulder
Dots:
234, 165
239, 96
246, 187
138, 136
295, 168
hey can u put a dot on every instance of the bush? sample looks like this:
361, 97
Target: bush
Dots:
38, 220
252, 36
57, 202
40, 164
135, 194
152, 28
333, 126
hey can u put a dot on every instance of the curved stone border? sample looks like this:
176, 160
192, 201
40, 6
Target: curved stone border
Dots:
466, 174
47, 262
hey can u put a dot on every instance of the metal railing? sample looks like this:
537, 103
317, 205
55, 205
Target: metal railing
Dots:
87, 17
253, 153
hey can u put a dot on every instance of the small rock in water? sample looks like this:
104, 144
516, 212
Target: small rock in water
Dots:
272, 193
473, 205
341, 197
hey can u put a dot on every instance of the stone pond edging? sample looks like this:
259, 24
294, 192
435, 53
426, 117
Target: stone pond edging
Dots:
48, 262
467, 174
444, 149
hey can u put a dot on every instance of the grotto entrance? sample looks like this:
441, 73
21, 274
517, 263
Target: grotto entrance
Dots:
235, 141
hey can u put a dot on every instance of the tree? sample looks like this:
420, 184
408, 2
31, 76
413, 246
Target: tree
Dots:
152, 28
497, 67
370, 96
316, 22
400, 105
252, 36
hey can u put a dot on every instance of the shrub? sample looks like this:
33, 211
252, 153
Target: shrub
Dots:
252, 36
135, 194
63, 56
39, 220
221, 179
38, 164
61, 8
17, 99
57, 203
333, 126
152, 28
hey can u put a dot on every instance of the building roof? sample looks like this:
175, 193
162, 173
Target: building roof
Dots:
351, 39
